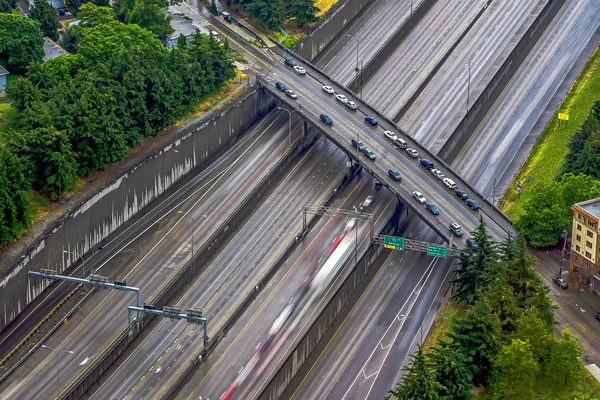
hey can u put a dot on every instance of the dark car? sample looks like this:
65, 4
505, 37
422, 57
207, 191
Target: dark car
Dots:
281, 86
432, 207
371, 120
290, 63
360, 144
473, 204
326, 118
426, 163
461, 194
394, 174
597, 316
560, 282
470, 242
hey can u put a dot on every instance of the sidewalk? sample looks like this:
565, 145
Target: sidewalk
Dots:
246, 26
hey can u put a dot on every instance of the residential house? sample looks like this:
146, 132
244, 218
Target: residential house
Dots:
3, 75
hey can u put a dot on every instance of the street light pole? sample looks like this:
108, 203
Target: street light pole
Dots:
289, 123
57, 352
562, 255
82, 261
469, 85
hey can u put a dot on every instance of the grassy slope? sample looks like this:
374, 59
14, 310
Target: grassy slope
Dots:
546, 157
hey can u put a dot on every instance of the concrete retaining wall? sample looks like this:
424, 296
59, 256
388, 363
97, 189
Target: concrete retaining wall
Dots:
188, 272
464, 125
96, 217
389, 47
336, 310
333, 24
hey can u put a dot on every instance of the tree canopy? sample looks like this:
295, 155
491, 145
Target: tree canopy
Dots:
21, 42
45, 14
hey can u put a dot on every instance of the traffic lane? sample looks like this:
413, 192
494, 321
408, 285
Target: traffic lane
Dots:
418, 54
346, 121
364, 326
158, 256
518, 109
429, 123
240, 266
218, 375
284, 344
371, 33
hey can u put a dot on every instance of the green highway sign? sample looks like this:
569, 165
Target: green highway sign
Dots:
393, 242
437, 251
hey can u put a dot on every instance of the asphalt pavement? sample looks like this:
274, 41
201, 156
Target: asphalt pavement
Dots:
162, 357
496, 149
154, 256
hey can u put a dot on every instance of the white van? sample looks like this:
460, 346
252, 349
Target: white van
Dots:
402, 143
449, 183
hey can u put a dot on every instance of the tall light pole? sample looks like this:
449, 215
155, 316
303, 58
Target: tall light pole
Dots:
411, 11
193, 227
82, 261
289, 123
562, 254
469, 84
57, 352
420, 326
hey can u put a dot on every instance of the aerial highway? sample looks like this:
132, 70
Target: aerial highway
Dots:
153, 258
161, 358
413, 61
309, 282
364, 357
504, 138
376, 25
445, 97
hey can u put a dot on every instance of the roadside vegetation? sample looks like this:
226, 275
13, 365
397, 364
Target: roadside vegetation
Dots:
565, 157
497, 341
78, 113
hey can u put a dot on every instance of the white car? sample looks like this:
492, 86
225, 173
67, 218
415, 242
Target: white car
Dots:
412, 152
419, 197
328, 89
390, 135
449, 183
299, 70
341, 98
437, 173
367, 202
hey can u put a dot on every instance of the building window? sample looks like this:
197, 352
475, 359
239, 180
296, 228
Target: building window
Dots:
578, 238
590, 222
579, 217
578, 227
576, 258
577, 248
590, 234
588, 244
588, 255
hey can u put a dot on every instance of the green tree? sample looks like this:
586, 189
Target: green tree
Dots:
478, 337
584, 148
23, 93
514, 373
304, 11
149, 15
534, 331
269, 13
520, 272
502, 302
578, 188
419, 383
15, 211
74, 5
45, 14
563, 363
91, 15
213, 8
450, 368
21, 41
6, 6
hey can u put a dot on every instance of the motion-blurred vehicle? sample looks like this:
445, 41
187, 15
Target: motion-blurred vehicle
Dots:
367, 202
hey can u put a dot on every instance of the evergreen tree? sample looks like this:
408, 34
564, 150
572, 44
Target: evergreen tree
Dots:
450, 367
6, 6
21, 42
501, 299
269, 13
520, 273
419, 383
304, 11
149, 15
45, 14
213, 8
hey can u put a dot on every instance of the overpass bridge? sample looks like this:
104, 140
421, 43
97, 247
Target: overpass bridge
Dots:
350, 124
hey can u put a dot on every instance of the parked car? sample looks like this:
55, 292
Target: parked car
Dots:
390, 135
371, 120
351, 105
432, 208
326, 118
300, 70
394, 174
328, 89
367, 202
473, 204
456, 229
461, 194
437, 173
281, 86
449, 183
419, 197
360, 144
369, 153
341, 98
412, 152
290, 63
560, 282
427, 164
291, 93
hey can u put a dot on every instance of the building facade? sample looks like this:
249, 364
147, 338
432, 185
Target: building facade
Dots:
585, 243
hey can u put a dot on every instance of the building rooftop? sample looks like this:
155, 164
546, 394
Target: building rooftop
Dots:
591, 206
52, 49
184, 24
3, 71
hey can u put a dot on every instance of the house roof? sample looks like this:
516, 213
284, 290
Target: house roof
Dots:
3, 71
52, 49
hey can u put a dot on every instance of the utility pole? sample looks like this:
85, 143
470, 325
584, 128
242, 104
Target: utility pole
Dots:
469, 85
56, 353
562, 255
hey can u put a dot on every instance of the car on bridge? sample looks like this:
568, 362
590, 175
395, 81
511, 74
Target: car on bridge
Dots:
473, 204
449, 183
360, 144
419, 197
412, 152
371, 120
328, 89
367, 202
290, 63
394, 174
351, 105
369, 153
427, 164
326, 118
461, 194
281, 86
390, 135
432, 208
341, 98
291, 93
299, 70
437, 173
456, 229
